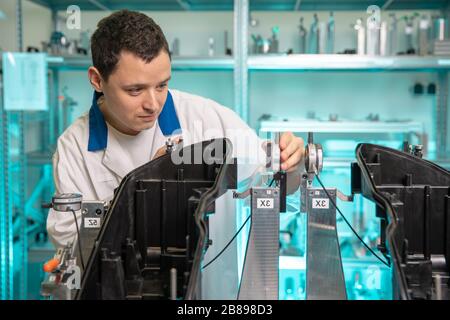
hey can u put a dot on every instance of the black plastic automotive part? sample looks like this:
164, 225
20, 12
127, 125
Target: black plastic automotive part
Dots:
413, 203
157, 222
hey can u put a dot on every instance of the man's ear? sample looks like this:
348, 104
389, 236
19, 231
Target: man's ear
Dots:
95, 78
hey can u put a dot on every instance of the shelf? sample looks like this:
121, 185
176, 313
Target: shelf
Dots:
219, 63
227, 5
338, 62
178, 63
297, 62
317, 126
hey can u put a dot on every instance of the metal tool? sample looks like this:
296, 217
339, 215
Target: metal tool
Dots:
63, 276
360, 37
331, 26
424, 31
322, 33
274, 40
314, 36
384, 36
172, 144
64, 273
211, 46
373, 37
302, 37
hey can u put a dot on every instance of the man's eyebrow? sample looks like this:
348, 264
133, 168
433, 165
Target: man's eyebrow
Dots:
135, 85
143, 85
168, 79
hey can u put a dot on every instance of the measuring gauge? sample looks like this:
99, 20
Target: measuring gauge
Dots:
67, 202
313, 156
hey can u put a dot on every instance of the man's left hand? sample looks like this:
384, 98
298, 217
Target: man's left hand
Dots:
291, 151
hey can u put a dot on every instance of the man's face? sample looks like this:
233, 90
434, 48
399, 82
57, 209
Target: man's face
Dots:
135, 92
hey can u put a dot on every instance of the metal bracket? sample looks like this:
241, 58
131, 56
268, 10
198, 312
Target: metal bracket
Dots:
260, 274
324, 272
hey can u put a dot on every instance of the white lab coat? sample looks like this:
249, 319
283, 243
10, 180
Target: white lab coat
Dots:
95, 175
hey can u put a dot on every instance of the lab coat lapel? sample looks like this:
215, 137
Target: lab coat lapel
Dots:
116, 158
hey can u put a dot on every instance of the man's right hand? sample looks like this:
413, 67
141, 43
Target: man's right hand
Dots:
163, 150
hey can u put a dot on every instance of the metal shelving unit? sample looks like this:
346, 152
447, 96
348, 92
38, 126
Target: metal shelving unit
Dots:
6, 226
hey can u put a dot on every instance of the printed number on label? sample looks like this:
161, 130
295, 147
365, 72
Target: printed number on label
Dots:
318, 203
264, 203
92, 222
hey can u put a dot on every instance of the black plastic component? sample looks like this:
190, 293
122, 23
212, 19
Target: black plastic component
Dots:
418, 88
158, 221
281, 177
32, 49
355, 178
431, 89
412, 197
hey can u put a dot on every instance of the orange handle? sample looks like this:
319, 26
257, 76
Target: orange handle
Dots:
51, 265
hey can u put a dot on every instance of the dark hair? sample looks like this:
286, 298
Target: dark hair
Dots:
125, 30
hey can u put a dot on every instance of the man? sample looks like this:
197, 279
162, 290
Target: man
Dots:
133, 113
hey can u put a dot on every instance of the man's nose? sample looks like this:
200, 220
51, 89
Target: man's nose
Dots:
150, 101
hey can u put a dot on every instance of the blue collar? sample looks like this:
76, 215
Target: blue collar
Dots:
98, 131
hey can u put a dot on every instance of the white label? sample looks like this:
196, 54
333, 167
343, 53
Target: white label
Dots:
92, 222
318, 203
264, 203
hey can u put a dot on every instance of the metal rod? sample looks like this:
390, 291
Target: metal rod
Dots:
173, 284
441, 115
437, 284
23, 239
241, 14
6, 226
447, 227
19, 25
297, 5
164, 213
310, 138
426, 224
